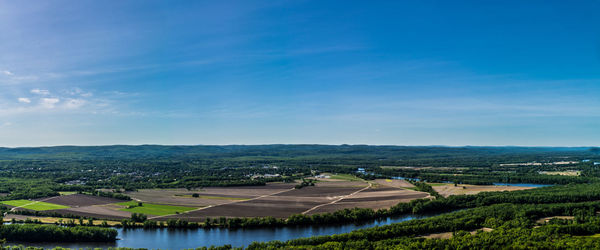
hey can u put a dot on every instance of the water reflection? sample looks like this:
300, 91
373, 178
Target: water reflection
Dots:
192, 238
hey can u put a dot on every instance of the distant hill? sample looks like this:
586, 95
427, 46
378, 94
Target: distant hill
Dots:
287, 151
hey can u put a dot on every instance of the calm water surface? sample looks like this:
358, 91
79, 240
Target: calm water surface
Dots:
522, 185
192, 238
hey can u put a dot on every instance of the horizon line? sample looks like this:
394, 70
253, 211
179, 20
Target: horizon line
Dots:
299, 144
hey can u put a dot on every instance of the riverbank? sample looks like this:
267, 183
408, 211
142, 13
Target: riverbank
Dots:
165, 238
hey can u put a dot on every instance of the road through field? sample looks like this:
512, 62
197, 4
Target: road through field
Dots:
236, 201
343, 197
33, 202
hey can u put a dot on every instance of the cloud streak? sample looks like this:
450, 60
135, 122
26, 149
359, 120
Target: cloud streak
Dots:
40, 91
24, 100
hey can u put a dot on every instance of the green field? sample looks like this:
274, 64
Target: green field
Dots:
67, 192
438, 184
153, 209
33, 205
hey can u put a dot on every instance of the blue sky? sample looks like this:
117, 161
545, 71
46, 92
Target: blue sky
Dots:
261, 72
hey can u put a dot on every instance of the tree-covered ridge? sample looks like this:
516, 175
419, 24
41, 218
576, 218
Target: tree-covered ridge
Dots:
513, 226
405, 154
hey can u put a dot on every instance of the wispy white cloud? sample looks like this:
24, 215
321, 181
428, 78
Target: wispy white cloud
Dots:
49, 102
74, 103
10, 78
40, 91
78, 92
24, 100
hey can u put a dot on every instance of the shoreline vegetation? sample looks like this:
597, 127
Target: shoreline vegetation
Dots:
46, 233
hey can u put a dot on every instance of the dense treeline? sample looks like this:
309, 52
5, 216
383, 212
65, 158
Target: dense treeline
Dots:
555, 194
53, 233
485, 176
512, 226
424, 187
113, 195
42, 172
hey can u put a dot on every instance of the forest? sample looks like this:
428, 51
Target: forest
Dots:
44, 233
44, 171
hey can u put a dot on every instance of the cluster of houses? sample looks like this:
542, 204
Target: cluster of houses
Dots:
596, 163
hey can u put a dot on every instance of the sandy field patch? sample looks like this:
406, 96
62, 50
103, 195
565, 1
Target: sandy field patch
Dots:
52, 220
449, 189
547, 219
564, 173
394, 183
448, 235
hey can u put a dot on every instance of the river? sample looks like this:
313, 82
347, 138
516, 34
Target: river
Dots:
192, 238
522, 185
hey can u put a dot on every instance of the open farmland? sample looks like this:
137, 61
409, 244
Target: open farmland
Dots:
376, 197
449, 189
278, 200
208, 196
109, 211
33, 205
152, 209
79, 200
394, 183
325, 196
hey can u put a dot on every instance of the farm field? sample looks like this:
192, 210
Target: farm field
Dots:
394, 183
449, 189
79, 200
345, 177
325, 196
109, 211
33, 205
384, 194
209, 196
278, 200
67, 192
563, 173
153, 209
